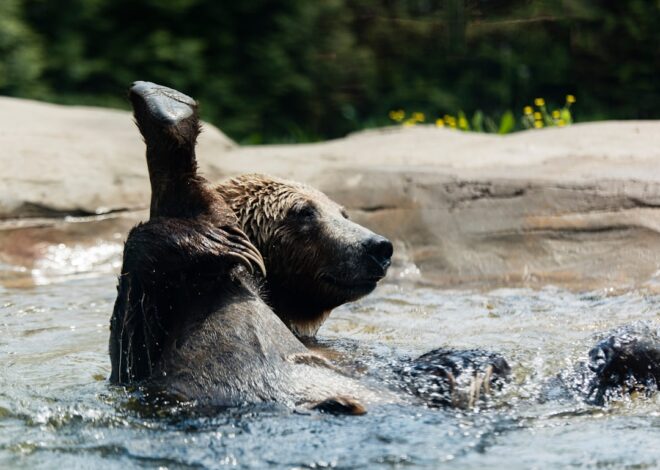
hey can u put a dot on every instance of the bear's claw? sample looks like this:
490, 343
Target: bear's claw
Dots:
340, 405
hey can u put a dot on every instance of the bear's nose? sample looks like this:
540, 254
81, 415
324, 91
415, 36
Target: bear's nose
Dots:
380, 249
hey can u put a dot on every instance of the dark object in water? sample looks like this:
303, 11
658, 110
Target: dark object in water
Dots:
626, 361
447, 377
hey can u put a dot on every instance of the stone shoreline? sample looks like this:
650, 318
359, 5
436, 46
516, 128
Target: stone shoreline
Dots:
578, 207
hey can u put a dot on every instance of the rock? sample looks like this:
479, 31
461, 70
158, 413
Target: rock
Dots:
70, 160
578, 206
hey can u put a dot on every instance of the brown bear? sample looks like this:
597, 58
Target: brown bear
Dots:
189, 317
316, 258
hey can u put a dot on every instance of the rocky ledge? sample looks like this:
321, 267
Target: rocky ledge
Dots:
578, 206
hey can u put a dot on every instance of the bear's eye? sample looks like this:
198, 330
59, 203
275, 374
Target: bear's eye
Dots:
344, 214
306, 212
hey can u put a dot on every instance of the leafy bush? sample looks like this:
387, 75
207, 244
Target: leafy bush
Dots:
277, 70
21, 54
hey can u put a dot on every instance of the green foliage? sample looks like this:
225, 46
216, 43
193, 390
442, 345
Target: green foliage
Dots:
478, 121
543, 118
21, 56
462, 122
507, 123
281, 70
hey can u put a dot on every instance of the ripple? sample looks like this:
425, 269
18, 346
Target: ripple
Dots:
56, 406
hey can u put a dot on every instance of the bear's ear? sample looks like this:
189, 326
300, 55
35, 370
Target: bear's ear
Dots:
168, 121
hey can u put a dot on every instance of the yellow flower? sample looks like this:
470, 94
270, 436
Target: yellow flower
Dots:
528, 110
419, 117
439, 123
397, 115
561, 123
539, 102
538, 116
409, 122
570, 99
462, 123
556, 114
538, 124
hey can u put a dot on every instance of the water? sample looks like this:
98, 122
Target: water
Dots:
57, 409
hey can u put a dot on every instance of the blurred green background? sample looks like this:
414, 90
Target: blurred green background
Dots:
302, 70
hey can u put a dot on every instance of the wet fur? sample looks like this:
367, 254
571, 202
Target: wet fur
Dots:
189, 317
625, 361
315, 257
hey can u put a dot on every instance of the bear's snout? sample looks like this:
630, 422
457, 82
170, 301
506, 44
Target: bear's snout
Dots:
380, 250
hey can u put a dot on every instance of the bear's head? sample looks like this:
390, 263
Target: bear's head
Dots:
316, 259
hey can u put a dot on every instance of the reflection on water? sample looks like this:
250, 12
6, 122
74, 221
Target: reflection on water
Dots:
56, 407
62, 261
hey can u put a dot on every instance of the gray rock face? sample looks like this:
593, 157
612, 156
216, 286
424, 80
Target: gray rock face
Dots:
578, 206
59, 160
575, 206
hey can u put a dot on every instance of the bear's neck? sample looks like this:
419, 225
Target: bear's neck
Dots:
302, 314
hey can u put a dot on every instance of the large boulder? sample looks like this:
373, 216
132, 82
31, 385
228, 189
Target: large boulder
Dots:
77, 160
578, 206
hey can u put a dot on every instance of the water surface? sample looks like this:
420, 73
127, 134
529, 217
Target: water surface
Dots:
57, 409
